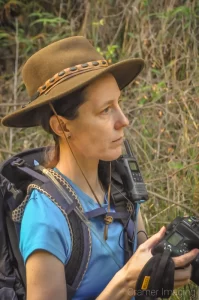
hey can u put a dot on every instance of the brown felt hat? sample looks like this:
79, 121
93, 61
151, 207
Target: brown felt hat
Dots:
62, 68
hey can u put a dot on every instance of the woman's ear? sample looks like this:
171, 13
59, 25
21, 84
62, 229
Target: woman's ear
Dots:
59, 126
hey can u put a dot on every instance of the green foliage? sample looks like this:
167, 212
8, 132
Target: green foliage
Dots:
110, 53
46, 18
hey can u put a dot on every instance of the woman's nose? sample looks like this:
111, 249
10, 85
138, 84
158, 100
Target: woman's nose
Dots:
122, 120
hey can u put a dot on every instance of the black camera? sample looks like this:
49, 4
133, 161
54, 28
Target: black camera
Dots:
182, 235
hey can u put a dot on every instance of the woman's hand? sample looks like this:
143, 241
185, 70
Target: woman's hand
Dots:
135, 265
182, 276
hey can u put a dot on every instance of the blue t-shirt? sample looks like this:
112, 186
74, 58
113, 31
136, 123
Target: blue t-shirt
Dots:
44, 227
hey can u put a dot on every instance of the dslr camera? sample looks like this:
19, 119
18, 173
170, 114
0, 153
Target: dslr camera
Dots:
182, 235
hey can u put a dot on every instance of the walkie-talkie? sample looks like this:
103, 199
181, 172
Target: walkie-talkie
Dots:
128, 169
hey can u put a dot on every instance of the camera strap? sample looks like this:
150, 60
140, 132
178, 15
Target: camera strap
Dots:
156, 278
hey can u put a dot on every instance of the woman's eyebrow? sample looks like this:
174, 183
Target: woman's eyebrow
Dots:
111, 101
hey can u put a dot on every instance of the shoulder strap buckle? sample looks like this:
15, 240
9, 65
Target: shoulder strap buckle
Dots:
18, 162
16, 193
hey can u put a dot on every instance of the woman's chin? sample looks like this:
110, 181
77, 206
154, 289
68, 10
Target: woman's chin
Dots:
112, 155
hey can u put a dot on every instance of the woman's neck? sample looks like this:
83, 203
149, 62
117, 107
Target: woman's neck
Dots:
68, 166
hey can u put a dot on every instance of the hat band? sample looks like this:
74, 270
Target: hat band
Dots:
68, 73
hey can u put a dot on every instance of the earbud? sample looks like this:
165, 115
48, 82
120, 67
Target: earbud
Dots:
63, 126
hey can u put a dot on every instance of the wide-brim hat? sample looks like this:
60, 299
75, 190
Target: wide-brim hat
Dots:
60, 69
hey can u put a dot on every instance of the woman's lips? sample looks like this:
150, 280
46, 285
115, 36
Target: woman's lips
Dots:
121, 138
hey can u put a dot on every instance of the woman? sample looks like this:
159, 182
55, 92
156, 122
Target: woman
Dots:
75, 96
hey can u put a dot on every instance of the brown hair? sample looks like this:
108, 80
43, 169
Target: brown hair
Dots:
66, 107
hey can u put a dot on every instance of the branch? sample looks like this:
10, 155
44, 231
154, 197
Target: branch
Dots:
175, 202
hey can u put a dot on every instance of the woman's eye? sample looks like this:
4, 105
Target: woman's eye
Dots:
106, 110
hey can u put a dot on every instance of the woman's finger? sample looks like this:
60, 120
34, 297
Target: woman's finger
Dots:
155, 239
180, 283
183, 274
185, 259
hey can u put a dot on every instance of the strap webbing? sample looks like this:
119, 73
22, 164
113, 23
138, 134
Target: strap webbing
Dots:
69, 198
156, 278
24, 168
102, 211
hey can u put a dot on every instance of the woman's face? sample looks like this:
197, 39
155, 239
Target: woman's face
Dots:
98, 131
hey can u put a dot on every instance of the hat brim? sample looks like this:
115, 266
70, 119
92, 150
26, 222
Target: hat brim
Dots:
124, 72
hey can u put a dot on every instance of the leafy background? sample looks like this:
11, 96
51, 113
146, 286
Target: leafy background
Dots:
162, 104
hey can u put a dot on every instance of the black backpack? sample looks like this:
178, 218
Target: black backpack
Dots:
18, 177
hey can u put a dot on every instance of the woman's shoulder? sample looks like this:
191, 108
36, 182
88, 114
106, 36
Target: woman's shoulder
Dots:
41, 207
40, 211
37, 197
43, 226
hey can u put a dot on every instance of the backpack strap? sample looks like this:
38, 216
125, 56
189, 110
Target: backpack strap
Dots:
80, 233
122, 205
11, 265
126, 213
102, 211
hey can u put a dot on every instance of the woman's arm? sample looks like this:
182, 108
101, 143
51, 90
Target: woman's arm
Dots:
45, 277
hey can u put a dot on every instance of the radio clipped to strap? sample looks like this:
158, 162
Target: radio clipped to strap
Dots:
127, 168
